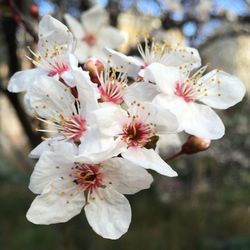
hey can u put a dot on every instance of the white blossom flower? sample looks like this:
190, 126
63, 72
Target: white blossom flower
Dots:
135, 128
93, 34
156, 52
183, 95
66, 184
69, 118
54, 57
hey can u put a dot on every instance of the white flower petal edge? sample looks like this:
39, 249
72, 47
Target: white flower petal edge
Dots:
54, 31
128, 64
202, 121
168, 145
21, 80
74, 26
141, 91
51, 165
164, 77
194, 118
55, 204
108, 213
224, 90
94, 18
50, 98
126, 177
149, 159
183, 56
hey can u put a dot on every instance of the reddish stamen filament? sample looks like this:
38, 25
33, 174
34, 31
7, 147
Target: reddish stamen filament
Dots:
112, 92
58, 69
137, 134
185, 90
74, 127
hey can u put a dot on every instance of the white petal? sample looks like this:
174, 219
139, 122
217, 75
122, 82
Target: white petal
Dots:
164, 77
97, 51
52, 165
110, 37
110, 119
174, 104
126, 64
141, 91
43, 146
168, 145
166, 122
28, 108
183, 56
96, 147
149, 159
57, 204
53, 31
202, 121
74, 26
94, 18
88, 92
21, 80
82, 51
109, 214
223, 89
124, 176
51, 98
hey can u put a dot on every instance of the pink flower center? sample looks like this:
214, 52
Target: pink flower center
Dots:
186, 91
87, 176
74, 127
58, 69
90, 39
112, 92
137, 134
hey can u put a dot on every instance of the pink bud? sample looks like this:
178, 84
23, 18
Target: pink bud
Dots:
95, 67
34, 11
195, 144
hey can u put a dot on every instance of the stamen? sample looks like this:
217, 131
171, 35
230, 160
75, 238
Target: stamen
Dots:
112, 86
87, 176
136, 133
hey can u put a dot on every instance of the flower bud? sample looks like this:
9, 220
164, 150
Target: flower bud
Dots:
95, 67
195, 144
34, 11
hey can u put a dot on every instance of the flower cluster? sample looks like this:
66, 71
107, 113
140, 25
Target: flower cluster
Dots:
103, 118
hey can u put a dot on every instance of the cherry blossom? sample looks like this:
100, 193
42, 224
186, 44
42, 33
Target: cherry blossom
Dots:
93, 34
66, 183
53, 58
191, 97
69, 118
134, 129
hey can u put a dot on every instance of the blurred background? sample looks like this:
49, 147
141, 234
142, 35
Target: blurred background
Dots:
208, 206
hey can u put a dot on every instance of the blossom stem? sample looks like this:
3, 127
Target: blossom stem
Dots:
172, 157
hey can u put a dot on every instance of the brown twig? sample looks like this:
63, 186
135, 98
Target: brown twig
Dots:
172, 157
21, 20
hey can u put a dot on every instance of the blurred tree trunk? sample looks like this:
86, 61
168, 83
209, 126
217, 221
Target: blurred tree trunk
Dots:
9, 29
